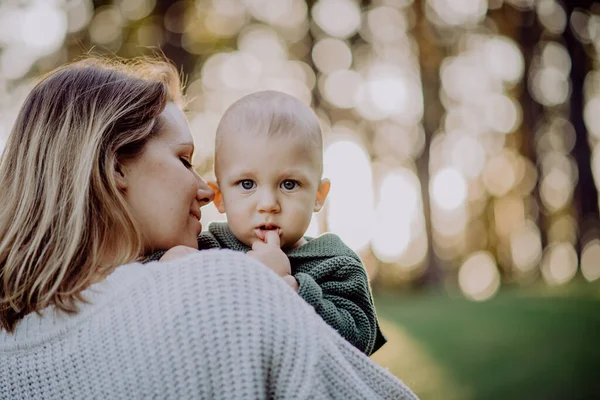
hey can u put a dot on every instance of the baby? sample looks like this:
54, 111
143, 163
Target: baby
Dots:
268, 166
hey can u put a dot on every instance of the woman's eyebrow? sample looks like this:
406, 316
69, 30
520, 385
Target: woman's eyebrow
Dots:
188, 144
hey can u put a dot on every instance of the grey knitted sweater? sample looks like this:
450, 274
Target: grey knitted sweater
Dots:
211, 325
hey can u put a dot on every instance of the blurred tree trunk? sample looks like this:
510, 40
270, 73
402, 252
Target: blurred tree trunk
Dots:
430, 58
533, 113
586, 194
172, 48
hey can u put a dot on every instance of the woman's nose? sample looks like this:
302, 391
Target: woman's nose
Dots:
204, 194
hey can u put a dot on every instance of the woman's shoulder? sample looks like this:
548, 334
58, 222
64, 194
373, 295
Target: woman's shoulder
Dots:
155, 291
179, 277
200, 278
205, 266
220, 298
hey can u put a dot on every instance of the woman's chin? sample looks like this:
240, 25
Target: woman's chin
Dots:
190, 240
193, 243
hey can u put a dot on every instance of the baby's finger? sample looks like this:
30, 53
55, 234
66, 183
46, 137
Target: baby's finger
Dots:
259, 234
256, 256
272, 238
257, 245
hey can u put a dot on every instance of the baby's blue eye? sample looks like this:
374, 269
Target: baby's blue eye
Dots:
247, 184
289, 184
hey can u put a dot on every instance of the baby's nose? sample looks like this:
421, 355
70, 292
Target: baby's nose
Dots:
268, 203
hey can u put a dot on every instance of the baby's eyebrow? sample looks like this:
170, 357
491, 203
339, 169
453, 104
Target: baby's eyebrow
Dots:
293, 173
241, 173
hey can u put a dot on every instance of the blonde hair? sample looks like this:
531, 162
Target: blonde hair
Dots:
63, 221
273, 113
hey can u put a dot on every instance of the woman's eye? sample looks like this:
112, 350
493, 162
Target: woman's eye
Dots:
247, 184
289, 184
185, 162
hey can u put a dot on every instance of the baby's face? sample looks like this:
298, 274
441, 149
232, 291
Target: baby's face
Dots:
268, 183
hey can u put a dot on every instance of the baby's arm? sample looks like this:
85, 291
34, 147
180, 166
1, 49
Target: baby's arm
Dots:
206, 241
339, 291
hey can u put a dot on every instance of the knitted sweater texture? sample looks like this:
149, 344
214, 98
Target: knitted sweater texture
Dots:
211, 325
331, 278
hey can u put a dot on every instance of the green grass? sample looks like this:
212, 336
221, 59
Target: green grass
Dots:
522, 344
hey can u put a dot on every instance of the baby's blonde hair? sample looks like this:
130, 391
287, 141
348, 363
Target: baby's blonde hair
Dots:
273, 113
63, 221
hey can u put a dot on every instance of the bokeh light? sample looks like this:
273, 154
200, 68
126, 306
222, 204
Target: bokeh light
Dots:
461, 137
526, 247
338, 18
499, 175
348, 167
457, 12
478, 276
340, 88
449, 137
552, 16
44, 27
503, 59
559, 263
448, 189
136, 9
590, 260
592, 116
331, 55
398, 206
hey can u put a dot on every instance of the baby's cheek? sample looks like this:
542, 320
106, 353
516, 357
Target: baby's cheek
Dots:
304, 210
300, 220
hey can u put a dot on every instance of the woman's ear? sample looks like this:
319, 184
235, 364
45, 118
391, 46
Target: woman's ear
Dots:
322, 193
218, 200
119, 176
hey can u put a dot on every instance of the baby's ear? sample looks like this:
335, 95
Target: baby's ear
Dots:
218, 200
322, 193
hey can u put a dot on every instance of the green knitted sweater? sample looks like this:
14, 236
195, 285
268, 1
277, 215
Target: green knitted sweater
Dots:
331, 278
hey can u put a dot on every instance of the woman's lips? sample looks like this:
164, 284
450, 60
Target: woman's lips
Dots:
197, 217
196, 213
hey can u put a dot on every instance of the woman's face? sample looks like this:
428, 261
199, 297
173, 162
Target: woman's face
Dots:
163, 190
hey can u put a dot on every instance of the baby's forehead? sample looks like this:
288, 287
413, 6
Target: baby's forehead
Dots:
295, 143
236, 150
287, 117
282, 138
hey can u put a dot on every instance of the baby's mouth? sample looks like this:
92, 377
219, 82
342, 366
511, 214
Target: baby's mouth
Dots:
268, 227
262, 230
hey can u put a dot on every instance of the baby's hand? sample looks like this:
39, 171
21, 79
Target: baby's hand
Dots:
177, 252
270, 254
290, 280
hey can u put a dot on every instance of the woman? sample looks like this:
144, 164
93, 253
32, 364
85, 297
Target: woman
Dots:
95, 174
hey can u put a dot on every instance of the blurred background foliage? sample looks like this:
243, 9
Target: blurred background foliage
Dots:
462, 142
